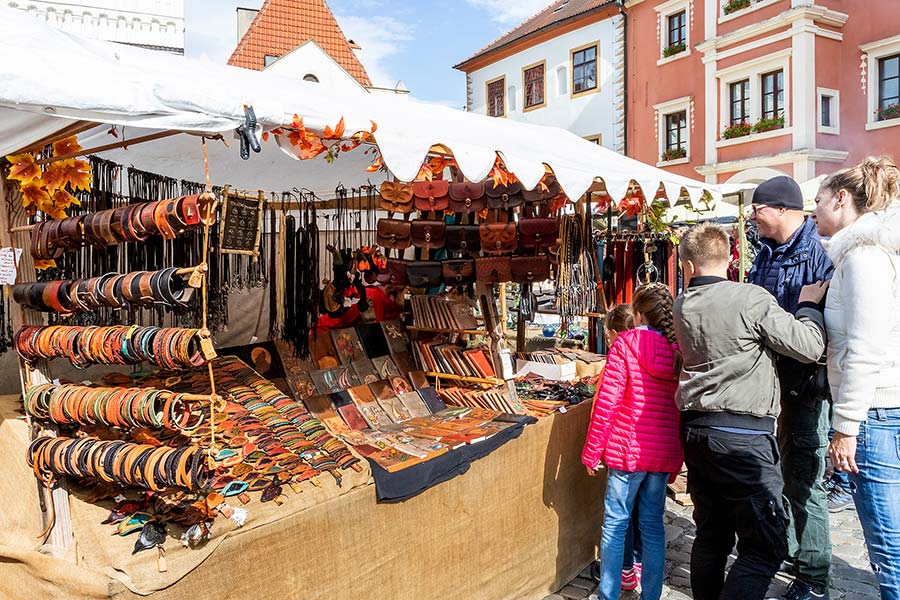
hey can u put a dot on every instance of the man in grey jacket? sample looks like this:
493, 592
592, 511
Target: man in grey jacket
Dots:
729, 334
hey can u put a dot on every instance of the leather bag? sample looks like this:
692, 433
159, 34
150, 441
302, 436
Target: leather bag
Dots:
396, 196
539, 194
458, 271
393, 233
529, 269
493, 269
424, 273
428, 234
498, 238
537, 233
463, 238
503, 196
467, 197
432, 195
396, 272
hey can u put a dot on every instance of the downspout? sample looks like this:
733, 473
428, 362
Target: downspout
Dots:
621, 5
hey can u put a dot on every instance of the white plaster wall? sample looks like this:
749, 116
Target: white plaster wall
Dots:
146, 22
311, 59
587, 115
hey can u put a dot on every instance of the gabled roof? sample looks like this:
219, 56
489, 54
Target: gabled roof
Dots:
282, 25
558, 13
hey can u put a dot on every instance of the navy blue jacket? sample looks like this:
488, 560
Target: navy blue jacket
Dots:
783, 270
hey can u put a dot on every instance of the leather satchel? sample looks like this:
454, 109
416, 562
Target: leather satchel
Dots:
463, 238
396, 196
467, 197
393, 233
396, 272
498, 238
539, 194
424, 273
458, 271
503, 196
493, 269
428, 234
431, 195
529, 269
537, 233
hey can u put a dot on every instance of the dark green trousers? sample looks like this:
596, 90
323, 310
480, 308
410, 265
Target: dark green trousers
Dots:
803, 439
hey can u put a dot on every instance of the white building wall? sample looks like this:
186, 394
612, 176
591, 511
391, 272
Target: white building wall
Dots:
587, 115
310, 59
144, 22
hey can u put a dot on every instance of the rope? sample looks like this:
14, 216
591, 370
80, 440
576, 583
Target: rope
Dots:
204, 289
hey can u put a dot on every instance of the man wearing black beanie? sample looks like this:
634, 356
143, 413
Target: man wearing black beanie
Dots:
792, 256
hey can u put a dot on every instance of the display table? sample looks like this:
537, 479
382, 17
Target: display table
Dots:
519, 524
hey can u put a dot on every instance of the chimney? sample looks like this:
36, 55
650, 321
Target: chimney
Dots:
245, 18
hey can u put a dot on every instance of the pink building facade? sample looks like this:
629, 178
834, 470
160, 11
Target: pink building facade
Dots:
744, 90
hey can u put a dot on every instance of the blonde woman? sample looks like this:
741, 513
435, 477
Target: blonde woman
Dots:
862, 317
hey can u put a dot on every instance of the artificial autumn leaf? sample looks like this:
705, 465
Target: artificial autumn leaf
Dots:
265, 136
631, 206
55, 176
79, 175
376, 165
24, 170
56, 212
68, 145
42, 265
34, 195
336, 133
63, 199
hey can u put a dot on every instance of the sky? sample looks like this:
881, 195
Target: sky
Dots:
406, 40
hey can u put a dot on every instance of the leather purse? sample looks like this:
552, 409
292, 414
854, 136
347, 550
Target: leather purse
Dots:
528, 269
537, 233
431, 195
463, 238
428, 234
458, 271
467, 197
393, 233
539, 194
424, 273
396, 196
498, 238
503, 196
396, 272
493, 269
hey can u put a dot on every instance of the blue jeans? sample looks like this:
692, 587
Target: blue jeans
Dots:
876, 493
633, 548
623, 491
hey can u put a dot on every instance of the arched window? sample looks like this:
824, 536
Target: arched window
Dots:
310, 77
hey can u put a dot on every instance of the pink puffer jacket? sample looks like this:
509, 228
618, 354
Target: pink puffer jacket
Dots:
635, 422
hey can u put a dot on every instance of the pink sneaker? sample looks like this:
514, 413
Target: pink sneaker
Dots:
638, 568
629, 580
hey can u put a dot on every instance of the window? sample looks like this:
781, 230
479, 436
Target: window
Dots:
496, 97
740, 102
889, 87
584, 69
677, 29
825, 109
829, 111
773, 94
269, 59
533, 86
676, 132
596, 139
311, 77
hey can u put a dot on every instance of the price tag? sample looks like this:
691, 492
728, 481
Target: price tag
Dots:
196, 278
206, 347
9, 265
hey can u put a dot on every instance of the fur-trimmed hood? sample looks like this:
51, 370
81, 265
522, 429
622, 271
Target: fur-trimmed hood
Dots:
881, 229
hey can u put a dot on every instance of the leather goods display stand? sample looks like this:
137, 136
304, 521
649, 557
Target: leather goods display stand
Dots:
519, 524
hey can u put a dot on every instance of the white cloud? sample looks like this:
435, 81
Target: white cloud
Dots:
380, 38
509, 13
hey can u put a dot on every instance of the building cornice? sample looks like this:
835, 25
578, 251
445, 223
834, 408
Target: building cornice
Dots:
771, 160
816, 14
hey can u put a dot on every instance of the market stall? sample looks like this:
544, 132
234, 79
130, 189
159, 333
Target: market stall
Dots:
227, 232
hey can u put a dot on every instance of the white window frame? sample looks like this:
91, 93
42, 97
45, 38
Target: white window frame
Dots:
835, 95
755, 5
753, 70
663, 12
663, 109
875, 51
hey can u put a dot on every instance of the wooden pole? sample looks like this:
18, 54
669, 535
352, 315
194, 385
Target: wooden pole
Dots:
73, 129
98, 149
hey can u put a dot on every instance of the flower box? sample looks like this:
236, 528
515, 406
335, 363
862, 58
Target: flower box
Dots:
888, 112
673, 50
735, 5
768, 124
674, 154
737, 130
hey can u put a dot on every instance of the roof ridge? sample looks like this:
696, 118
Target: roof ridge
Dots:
242, 41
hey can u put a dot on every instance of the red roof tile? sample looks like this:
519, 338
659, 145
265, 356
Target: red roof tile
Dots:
282, 25
557, 13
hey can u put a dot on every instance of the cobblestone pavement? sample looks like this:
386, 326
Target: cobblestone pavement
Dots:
851, 577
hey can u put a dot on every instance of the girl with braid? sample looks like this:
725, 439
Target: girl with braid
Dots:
634, 431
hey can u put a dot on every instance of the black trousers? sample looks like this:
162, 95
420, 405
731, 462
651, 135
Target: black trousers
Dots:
736, 485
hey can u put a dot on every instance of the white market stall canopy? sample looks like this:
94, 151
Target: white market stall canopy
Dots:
49, 79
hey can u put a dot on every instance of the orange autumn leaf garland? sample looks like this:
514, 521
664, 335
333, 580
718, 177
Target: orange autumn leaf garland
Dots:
310, 145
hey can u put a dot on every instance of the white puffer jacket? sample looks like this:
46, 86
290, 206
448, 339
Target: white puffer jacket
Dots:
862, 316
